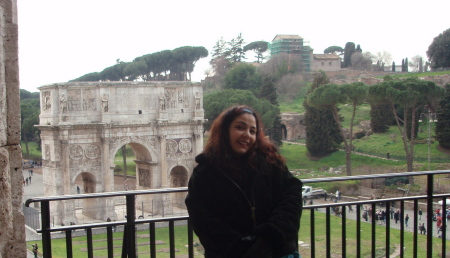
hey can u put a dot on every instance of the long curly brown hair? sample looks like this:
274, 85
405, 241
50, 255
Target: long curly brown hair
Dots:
218, 147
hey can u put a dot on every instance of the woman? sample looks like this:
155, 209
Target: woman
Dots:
242, 200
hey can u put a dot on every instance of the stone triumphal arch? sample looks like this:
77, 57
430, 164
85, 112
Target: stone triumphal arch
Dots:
83, 126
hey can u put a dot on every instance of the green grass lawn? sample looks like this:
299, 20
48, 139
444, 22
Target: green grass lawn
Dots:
162, 236
33, 149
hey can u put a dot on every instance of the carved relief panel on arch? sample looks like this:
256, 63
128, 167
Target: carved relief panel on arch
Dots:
179, 145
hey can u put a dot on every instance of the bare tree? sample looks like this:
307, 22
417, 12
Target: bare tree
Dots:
290, 87
416, 63
360, 62
282, 64
384, 57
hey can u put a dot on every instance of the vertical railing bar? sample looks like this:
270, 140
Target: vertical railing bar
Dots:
388, 228
358, 230
109, 236
402, 228
373, 206
46, 236
416, 221
172, 238
313, 233
444, 225
344, 232
430, 191
190, 239
152, 240
328, 233
69, 248
124, 242
90, 247
131, 228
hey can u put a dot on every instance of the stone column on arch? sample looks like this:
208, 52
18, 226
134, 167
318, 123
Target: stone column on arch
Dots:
68, 213
108, 179
163, 162
198, 143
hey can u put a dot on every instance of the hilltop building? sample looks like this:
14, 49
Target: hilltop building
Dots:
295, 46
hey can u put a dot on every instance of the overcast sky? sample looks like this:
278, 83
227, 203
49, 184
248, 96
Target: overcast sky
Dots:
60, 40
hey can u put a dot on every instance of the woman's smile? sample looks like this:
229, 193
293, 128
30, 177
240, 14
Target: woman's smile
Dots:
243, 133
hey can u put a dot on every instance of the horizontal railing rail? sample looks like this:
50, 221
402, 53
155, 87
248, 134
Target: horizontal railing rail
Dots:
130, 242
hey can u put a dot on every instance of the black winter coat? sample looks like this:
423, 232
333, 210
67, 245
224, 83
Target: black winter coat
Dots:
226, 212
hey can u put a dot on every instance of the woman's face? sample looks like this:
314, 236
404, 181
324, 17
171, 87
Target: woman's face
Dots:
242, 133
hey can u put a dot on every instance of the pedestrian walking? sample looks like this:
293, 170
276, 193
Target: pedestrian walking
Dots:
26, 180
406, 220
35, 250
325, 195
29, 179
396, 216
420, 214
438, 222
422, 229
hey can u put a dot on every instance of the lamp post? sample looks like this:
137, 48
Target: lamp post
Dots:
431, 118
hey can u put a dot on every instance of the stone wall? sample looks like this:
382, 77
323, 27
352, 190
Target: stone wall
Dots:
292, 126
12, 223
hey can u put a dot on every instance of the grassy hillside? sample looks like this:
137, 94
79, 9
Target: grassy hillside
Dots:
370, 151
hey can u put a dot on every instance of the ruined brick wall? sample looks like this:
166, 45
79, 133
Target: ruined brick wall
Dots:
12, 223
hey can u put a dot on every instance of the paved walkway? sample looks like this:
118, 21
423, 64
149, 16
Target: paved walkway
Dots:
410, 227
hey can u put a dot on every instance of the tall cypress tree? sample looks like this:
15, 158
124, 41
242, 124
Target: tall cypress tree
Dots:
443, 116
322, 133
268, 91
348, 52
381, 117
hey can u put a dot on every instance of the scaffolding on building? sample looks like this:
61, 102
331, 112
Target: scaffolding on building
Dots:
293, 45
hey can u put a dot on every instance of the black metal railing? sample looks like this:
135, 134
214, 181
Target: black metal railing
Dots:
130, 242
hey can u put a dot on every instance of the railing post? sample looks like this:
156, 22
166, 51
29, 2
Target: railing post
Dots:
328, 232
358, 230
172, 239
69, 249
373, 223
90, 245
430, 191
444, 226
190, 239
415, 220
130, 226
388, 228
402, 228
313, 233
46, 236
109, 236
152, 240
